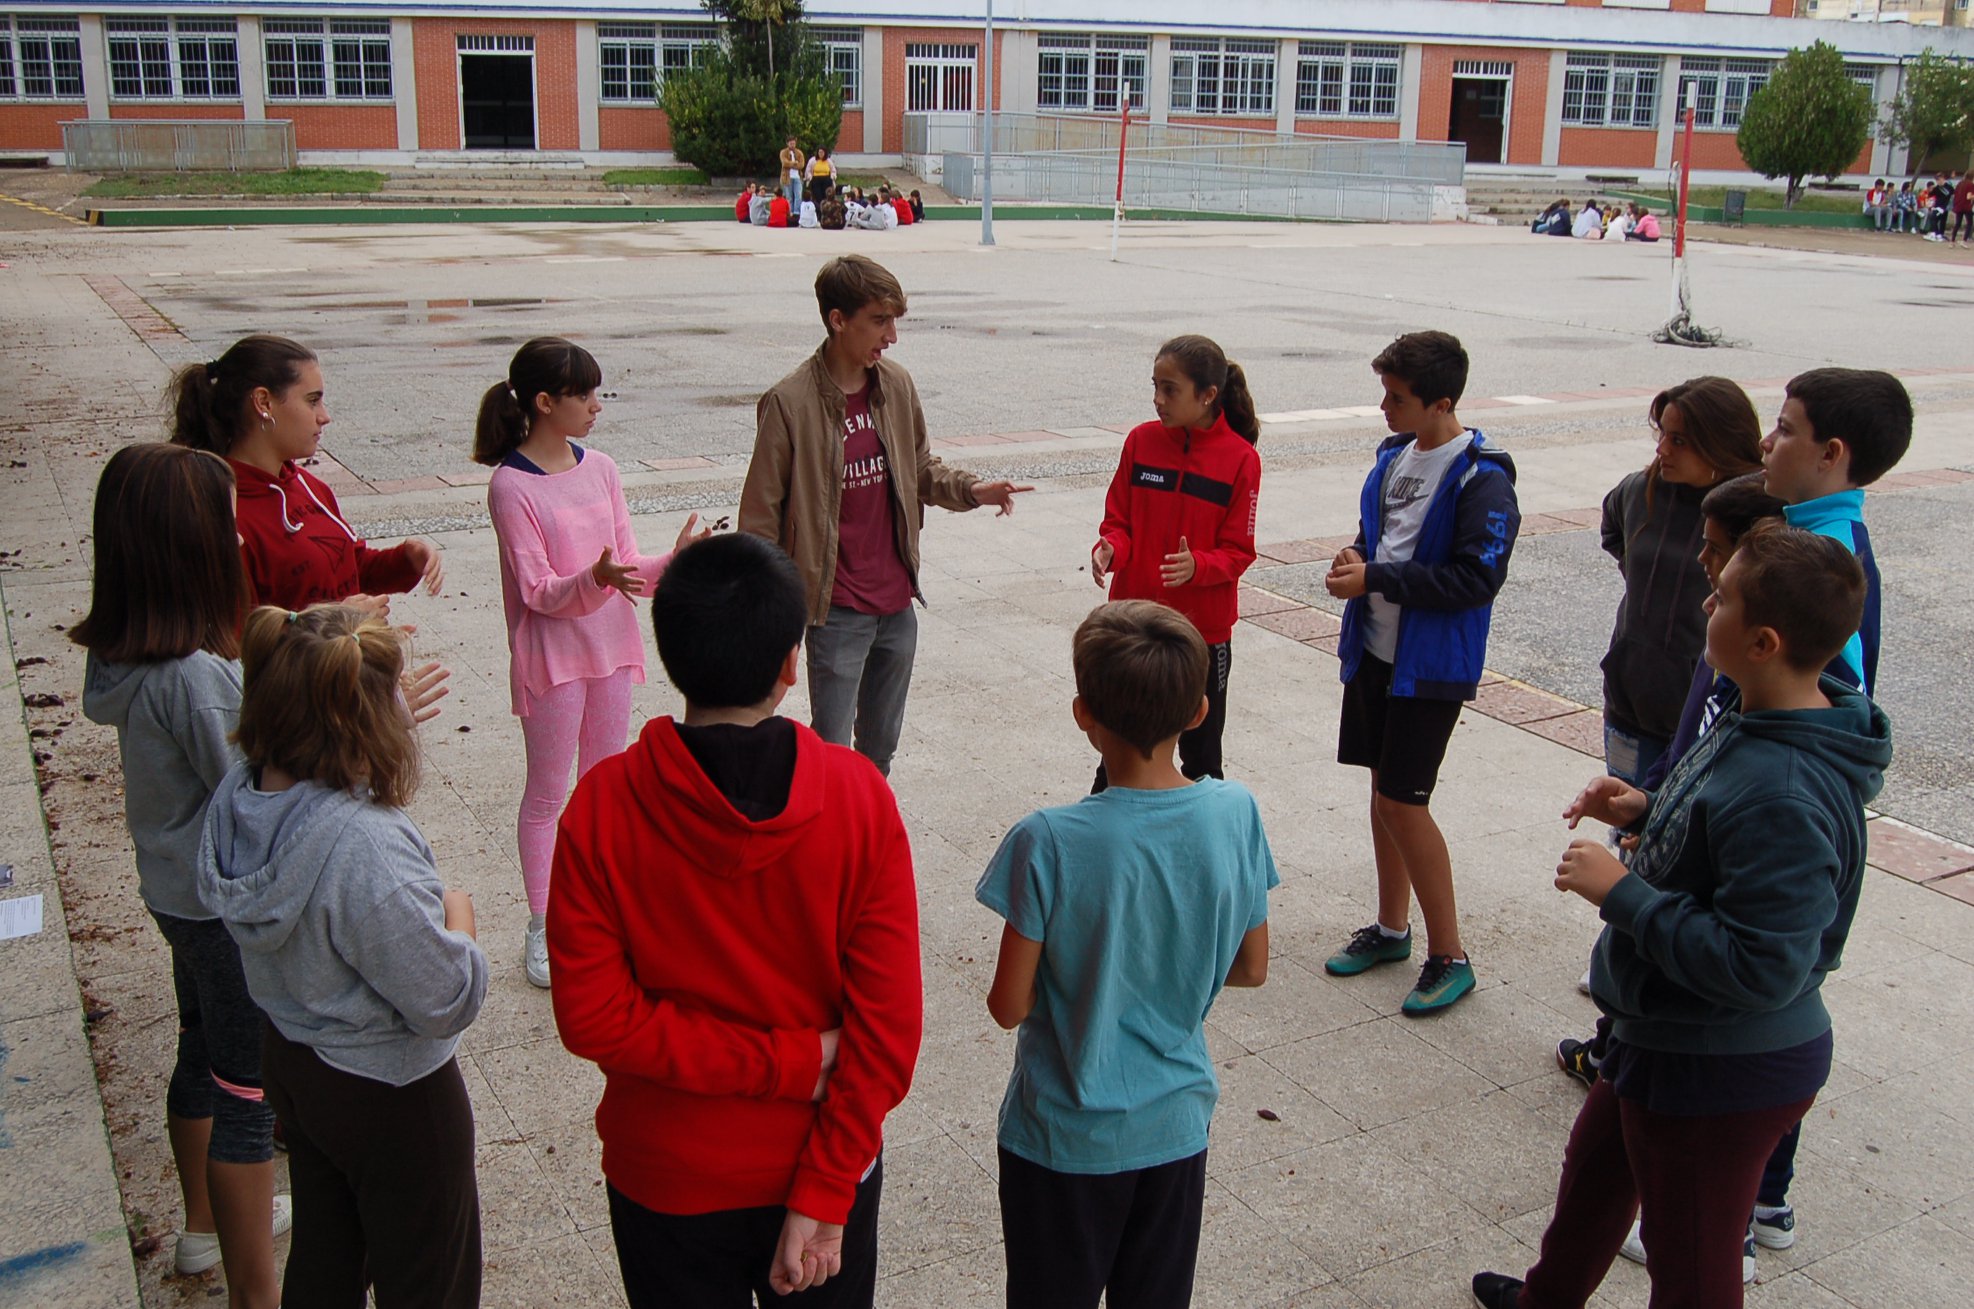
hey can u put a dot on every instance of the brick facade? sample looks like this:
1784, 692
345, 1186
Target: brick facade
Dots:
893, 73
36, 125
1608, 147
436, 57
220, 111
1363, 129
340, 126
1527, 102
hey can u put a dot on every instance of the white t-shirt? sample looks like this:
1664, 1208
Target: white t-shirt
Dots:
1410, 484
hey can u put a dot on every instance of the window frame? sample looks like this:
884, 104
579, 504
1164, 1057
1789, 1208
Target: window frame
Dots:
57, 61
1223, 77
1597, 82
1724, 87
843, 51
650, 48
323, 56
1342, 80
1109, 67
944, 59
169, 54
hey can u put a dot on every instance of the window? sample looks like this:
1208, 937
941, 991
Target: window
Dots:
352, 63
636, 56
1355, 80
843, 47
1223, 77
1078, 72
939, 78
173, 58
40, 59
1611, 90
1721, 88
1865, 75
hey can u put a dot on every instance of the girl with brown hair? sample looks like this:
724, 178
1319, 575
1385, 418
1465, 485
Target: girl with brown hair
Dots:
260, 404
363, 962
162, 634
1708, 432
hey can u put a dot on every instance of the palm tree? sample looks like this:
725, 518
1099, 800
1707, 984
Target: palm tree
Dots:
770, 14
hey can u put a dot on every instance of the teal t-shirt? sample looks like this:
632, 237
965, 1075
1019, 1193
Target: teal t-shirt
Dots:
1140, 900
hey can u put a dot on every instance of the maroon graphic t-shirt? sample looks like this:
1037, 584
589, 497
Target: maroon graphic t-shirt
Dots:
870, 577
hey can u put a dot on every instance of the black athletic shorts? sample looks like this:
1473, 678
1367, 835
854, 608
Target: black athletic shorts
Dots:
1401, 738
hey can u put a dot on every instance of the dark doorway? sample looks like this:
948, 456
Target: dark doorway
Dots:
1480, 117
497, 93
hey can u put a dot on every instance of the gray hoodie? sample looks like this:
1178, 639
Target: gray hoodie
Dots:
174, 719
335, 902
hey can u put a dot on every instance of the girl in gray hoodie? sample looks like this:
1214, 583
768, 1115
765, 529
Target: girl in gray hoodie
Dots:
163, 634
364, 963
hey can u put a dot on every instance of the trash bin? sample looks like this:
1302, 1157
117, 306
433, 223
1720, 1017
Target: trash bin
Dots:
1734, 207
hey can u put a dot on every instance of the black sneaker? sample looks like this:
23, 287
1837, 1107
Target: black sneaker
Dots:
1497, 1291
1574, 1058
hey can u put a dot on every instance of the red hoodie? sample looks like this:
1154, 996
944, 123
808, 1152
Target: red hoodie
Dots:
778, 217
297, 548
741, 205
698, 957
903, 208
1173, 482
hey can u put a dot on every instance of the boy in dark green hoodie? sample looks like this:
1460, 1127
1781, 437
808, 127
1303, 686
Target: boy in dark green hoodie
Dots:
1736, 904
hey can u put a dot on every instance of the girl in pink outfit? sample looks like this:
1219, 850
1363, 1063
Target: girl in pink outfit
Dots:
570, 572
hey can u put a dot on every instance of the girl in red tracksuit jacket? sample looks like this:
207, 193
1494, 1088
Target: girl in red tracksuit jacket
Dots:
1179, 519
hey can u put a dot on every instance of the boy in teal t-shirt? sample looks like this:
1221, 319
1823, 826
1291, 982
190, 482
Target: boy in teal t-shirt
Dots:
1126, 913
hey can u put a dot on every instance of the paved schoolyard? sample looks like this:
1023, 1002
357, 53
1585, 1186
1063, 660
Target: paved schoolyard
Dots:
1399, 1156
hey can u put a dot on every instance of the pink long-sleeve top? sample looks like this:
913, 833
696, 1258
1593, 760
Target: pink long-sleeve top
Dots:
562, 626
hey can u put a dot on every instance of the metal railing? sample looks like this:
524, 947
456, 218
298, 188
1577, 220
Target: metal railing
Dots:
1197, 187
1443, 163
97, 145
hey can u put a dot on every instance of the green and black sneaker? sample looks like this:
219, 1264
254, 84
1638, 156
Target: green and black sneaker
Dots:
1441, 982
1368, 947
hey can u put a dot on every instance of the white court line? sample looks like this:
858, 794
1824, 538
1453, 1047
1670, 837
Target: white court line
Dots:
1523, 400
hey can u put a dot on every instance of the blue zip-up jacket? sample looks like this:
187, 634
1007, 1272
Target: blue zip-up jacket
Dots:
1446, 589
1841, 518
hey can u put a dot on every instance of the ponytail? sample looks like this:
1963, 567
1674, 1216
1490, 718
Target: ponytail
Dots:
1237, 405
1206, 365
209, 400
547, 365
501, 426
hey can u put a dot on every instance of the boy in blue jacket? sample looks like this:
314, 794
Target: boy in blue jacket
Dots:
1840, 430
1437, 522
1736, 904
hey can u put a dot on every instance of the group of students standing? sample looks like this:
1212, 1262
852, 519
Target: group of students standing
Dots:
726, 908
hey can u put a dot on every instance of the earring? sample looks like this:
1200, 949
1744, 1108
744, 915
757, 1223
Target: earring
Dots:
266, 420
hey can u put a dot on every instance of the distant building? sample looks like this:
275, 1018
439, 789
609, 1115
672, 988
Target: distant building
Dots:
1570, 84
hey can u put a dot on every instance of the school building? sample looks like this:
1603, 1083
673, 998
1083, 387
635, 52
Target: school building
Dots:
1589, 85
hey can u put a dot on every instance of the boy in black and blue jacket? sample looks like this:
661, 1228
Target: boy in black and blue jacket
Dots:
1736, 904
1437, 523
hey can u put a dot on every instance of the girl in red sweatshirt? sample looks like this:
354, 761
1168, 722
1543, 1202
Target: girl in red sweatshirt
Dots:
1179, 519
260, 405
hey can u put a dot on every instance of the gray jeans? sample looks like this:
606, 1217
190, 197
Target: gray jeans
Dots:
860, 670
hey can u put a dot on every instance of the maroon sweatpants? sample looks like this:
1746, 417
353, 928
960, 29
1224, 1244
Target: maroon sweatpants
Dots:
1694, 1180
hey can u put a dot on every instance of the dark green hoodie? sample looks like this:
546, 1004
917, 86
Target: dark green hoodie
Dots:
1742, 891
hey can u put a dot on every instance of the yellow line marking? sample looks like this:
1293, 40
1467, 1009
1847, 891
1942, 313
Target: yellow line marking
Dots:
42, 209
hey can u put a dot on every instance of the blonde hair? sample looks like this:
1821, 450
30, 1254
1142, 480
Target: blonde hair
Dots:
321, 700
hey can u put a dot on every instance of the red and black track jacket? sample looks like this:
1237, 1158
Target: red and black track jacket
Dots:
1203, 485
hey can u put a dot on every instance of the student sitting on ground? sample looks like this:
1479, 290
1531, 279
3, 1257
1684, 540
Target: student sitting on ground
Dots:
1589, 225
1553, 221
1126, 913
1646, 228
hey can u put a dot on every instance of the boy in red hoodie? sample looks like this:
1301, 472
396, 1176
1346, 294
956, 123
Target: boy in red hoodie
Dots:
734, 940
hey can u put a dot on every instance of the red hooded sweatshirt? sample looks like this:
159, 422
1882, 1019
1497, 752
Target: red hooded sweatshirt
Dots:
778, 217
297, 548
699, 956
1202, 485
903, 208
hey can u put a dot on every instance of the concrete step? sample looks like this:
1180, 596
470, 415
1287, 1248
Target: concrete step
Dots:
467, 183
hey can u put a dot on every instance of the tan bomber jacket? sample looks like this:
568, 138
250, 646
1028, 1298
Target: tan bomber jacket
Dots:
794, 487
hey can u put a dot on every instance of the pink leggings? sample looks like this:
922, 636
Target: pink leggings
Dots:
583, 723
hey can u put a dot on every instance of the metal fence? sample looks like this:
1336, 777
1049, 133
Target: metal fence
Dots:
96, 145
1200, 188
1441, 163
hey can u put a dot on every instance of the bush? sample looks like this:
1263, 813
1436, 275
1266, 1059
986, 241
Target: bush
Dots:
1811, 120
732, 122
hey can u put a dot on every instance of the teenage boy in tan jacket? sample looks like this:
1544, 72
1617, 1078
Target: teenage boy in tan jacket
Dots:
840, 476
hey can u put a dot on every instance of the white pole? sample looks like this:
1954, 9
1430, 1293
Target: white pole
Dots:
987, 142
1679, 209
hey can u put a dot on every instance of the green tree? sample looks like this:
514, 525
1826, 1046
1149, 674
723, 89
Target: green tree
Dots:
1934, 110
731, 113
1811, 120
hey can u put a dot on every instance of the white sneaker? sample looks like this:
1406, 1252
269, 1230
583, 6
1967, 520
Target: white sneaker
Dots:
1634, 1245
198, 1251
537, 955
1583, 983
